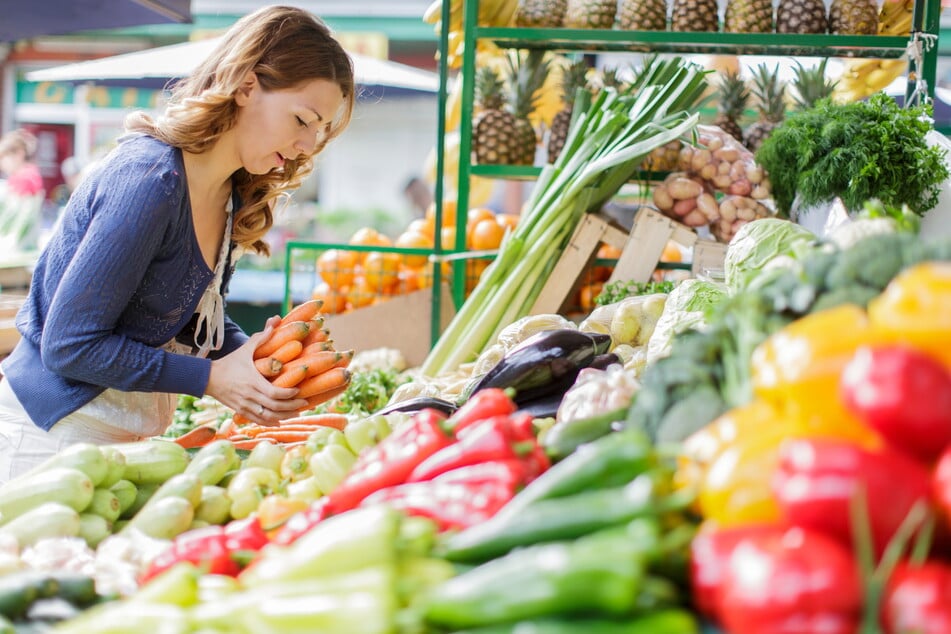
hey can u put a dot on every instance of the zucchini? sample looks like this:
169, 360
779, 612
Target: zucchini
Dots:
152, 461
210, 468
115, 466
219, 447
94, 528
51, 519
165, 519
105, 504
59, 484
184, 485
143, 493
84, 456
20, 590
126, 492
564, 437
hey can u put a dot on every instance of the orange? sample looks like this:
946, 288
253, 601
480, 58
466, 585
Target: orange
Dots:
448, 238
448, 212
509, 221
334, 301
422, 226
409, 280
381, 270
487, 234
337, 266
361, 294
370, 237
671, 252
606, 252
588, 293
413, 240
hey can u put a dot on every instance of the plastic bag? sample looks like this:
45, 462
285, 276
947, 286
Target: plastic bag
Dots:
520, 330
736, 211
686, 199
597, 392
630, 321
724, 164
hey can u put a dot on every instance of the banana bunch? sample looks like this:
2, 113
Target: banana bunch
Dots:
491, 13
863, 77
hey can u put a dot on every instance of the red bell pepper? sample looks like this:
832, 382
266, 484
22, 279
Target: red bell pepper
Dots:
902, 393
710, 552
459, 498
790, 581
494, 438
219, 550
918, 599
941, 487
392, 460
816, 482
483, 404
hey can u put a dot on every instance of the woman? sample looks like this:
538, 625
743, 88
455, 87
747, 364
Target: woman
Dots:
125, 311
17, 149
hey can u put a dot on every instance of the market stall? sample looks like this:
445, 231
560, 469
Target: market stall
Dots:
715, 419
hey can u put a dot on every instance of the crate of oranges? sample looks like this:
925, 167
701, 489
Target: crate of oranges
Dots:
373, 267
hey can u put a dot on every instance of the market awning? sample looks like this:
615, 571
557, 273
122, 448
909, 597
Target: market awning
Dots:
155, 67
21, 20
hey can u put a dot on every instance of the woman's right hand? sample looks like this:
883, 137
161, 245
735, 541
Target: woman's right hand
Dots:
235, 382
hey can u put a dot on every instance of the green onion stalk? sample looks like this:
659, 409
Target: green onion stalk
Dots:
607, 141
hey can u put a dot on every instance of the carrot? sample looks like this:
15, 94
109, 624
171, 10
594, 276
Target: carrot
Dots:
345, 358
226, 428
323, 397
284, 436
303, 312
316, 335
290, 377
332, 378
248, 444
269, 366
290, 350
240, 419
316, 363
337, 421
290, 331
317, 346
197, 437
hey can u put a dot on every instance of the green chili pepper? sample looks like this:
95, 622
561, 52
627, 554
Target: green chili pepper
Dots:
601, 573
663, 622
564, 518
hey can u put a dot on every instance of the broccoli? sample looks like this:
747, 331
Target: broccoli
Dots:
855, 294
873, 261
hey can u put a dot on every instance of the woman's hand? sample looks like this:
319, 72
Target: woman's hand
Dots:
235, 382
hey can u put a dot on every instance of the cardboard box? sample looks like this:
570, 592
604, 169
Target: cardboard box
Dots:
402, 322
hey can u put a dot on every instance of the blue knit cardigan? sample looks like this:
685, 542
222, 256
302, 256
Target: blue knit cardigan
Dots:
121, 276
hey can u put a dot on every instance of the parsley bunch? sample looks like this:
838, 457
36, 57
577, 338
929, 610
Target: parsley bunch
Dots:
616, 291
857, 151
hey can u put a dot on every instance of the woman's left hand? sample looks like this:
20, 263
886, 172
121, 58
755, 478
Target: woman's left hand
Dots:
235, 382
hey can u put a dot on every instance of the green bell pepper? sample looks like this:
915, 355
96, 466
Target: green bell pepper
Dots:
663, 622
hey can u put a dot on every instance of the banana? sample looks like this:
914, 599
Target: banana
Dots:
433, 12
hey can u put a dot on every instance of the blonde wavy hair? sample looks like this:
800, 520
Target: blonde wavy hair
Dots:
284, 47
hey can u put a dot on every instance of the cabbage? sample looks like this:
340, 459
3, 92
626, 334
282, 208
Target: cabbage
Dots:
686, 309
758, 242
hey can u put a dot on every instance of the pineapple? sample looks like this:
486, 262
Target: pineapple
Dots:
695, 15
733, 95
590, 14
853, 17
525, 77
748, 16
801, 16
811, 85
771, 97
540, 13
493, 128
642, 15
575, 77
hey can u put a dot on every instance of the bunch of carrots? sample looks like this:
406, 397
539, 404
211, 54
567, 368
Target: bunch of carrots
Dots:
298, 353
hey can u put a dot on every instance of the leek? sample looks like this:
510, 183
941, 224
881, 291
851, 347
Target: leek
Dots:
606, 143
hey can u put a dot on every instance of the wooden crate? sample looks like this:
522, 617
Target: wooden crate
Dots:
641, 250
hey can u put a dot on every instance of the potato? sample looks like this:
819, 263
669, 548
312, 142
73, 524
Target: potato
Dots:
745, 213
727, 210
683, 207
682, 188
695, 218
740, 188
707, 205
722, 181
729, 154
754, 173
662, 198
699, 159
760, 192
708, 172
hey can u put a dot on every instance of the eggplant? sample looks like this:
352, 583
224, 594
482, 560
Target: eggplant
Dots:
419, 403
543, 406
602, 342
545, 363
604, 361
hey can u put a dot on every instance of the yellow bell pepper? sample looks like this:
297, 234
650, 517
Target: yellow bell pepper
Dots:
915, 309
798, 368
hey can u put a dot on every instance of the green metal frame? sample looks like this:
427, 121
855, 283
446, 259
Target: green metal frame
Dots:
925, 20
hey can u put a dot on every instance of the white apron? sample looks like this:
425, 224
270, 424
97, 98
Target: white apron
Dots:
114, 416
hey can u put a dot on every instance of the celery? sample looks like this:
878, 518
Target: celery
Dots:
605, 144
